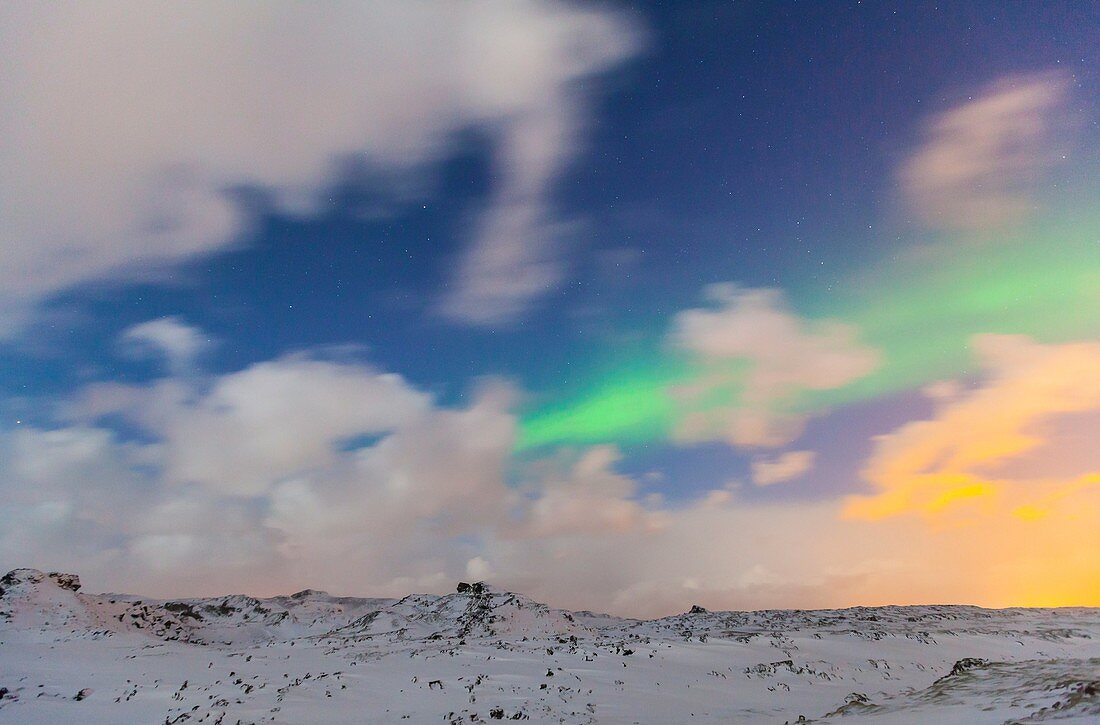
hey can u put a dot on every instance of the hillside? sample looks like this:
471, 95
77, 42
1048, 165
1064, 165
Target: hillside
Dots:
480, 654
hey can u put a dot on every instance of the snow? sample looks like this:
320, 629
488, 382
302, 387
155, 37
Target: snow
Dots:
485, 654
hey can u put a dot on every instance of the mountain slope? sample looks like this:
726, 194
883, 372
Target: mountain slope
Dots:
481, 653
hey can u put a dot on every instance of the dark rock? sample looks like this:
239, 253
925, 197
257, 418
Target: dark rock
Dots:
964, 666
17, 577
22, 576
856, 703
696, 609
477, 588
308, 593
182, 609
968, 663
65, 581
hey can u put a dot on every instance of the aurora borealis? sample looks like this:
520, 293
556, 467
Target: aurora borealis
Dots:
1042, 282
622, 305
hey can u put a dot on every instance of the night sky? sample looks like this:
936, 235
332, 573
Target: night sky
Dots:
626, 306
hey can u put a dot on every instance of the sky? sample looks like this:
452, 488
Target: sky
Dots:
626, 306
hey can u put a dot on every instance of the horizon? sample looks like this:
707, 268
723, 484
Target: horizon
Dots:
492, 589
620, 305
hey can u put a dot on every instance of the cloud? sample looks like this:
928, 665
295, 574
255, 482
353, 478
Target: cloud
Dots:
953, 464
177, 342
980, 160
413, 506
782, 355
134, 120
591, 499
942, 390
992, 487
245, 481
269, 421
790, 465
249, 478
301, 472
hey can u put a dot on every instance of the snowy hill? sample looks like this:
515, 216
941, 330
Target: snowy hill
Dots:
481, 654
474, 612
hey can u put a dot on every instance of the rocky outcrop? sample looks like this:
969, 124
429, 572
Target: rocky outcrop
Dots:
34, 598
477, 588
29, 578
20, 578
65, 581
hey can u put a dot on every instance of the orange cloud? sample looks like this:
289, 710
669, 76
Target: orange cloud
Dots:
933, 467
1024, 539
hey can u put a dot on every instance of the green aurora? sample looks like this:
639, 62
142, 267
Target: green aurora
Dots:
921, 321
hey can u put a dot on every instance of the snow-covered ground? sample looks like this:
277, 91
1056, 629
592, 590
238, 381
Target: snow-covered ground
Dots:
481, 654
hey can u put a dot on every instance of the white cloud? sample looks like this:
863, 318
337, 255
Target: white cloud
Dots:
274, 420
478, 569
133, 119
245, 486
591, 498
420, 513
179, 343
428, 504
783, 355
980, 162
248, 480
788, 466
